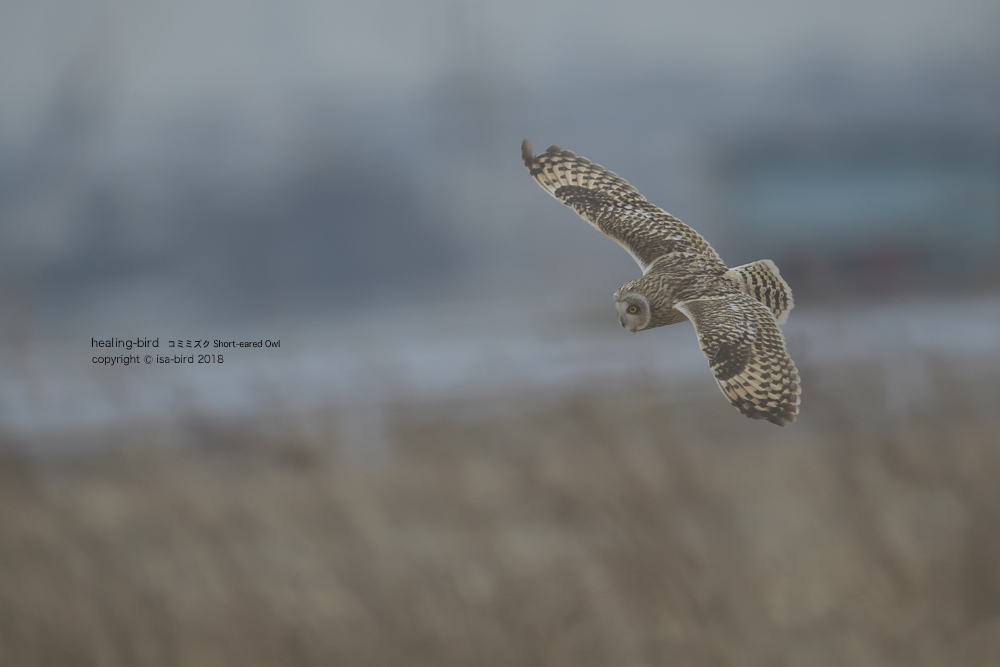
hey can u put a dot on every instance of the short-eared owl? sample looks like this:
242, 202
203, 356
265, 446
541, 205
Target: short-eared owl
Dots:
735, 312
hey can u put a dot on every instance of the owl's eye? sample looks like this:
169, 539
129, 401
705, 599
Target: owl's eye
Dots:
633, 309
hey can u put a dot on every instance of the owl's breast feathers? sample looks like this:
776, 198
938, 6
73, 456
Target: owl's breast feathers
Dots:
681, 276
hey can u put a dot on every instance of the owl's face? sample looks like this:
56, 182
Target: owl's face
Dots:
633, 310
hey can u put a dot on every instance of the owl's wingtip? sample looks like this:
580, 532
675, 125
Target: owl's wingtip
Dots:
526, 154
787, 416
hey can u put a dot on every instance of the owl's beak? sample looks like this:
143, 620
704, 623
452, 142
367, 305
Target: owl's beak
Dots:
622, 321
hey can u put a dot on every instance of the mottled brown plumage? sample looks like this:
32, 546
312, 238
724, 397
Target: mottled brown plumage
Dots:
762, 281
735, 312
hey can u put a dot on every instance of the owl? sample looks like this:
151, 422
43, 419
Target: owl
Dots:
735, 312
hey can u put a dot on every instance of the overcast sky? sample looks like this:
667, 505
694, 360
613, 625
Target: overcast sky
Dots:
167, 55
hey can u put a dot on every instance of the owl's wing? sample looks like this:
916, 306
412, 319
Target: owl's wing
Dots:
747, 353
614, 207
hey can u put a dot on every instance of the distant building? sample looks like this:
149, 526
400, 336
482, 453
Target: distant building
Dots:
884, 209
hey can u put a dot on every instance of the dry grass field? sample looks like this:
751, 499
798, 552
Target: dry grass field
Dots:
613, 525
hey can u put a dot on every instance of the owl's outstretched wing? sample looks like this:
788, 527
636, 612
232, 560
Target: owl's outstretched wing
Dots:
614, 207
747, 353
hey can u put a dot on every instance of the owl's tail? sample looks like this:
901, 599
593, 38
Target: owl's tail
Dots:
763, 281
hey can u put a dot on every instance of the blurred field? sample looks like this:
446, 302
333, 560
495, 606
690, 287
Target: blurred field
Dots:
633, 524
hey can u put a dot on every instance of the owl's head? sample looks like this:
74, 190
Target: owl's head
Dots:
633, 309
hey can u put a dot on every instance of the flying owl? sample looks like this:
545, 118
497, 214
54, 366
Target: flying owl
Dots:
735, 312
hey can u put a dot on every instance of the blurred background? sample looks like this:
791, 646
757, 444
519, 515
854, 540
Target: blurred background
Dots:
457, 456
